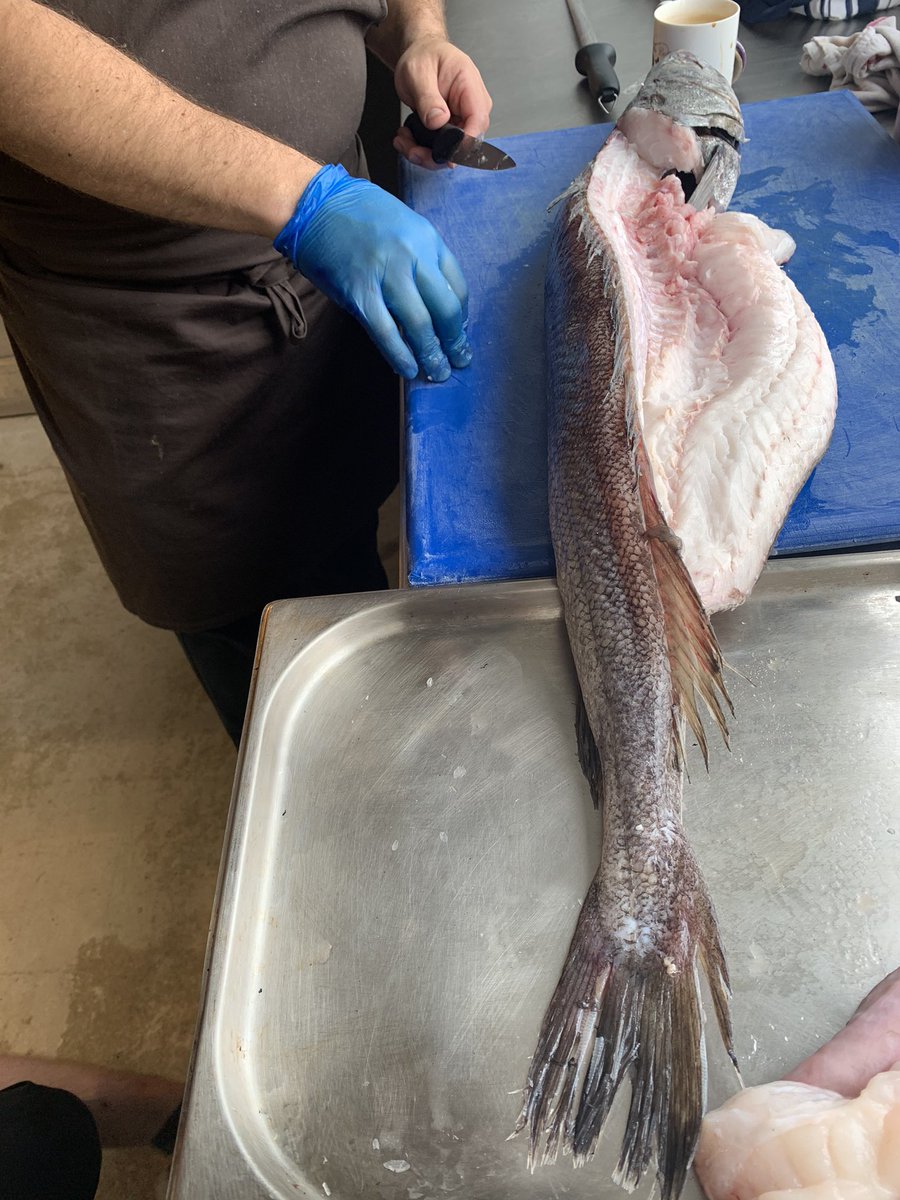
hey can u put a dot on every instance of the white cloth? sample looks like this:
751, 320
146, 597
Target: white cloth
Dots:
868, 63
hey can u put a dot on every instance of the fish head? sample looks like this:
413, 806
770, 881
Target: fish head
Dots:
684, 121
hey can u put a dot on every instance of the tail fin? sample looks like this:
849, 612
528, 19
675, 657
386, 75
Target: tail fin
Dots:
618, 1014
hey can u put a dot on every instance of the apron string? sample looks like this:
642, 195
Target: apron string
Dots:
280, 281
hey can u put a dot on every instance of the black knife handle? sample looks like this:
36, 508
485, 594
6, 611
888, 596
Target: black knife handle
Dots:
596, 62
441, 142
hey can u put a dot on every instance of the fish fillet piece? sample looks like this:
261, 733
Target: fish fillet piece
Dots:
737, 387
830, 1131
792, 1141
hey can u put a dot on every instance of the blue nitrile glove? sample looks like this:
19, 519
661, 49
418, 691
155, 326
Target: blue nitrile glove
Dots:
387, 266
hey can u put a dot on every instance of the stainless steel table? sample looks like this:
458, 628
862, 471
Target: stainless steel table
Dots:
410, 840
526, 49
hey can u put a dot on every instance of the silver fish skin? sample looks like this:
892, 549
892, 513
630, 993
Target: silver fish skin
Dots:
692, 93
697, 97
627, 1005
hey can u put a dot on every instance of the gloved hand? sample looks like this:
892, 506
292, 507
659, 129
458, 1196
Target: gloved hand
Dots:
387, 266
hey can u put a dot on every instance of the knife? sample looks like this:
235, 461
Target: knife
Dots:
452, 144
595, 60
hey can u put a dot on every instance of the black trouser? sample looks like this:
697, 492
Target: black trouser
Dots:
223, 658
49, 1145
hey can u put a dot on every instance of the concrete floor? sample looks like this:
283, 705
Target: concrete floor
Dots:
115, 780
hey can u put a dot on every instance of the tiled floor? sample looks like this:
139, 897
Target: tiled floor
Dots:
114, 787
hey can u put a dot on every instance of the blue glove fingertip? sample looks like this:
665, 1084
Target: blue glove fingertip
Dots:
460, 353
439, 373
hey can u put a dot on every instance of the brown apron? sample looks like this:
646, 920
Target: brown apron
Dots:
224, 428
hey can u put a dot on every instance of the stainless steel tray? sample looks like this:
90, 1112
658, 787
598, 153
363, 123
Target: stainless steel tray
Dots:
411, 837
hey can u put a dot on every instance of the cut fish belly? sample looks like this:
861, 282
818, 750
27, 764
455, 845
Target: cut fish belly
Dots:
737, 387
792, 1141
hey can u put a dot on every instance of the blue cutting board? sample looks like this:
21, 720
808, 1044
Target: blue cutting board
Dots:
818, 166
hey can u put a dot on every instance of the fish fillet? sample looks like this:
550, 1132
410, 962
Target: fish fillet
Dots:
792, 1141
737, 387
830, 1131
690, 392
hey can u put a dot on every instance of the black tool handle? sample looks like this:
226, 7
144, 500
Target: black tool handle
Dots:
441, 142
597, 62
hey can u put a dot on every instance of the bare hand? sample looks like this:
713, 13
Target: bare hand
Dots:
441, 83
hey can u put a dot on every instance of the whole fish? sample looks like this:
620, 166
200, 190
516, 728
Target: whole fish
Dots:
673, 409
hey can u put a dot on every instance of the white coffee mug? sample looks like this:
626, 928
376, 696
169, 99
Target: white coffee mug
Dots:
706, 28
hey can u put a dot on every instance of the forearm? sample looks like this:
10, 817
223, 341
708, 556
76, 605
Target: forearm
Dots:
407, 21
79, 111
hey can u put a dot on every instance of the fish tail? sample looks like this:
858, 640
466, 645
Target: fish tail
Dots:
619, 1013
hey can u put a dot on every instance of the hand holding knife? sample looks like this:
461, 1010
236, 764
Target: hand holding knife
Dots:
450, 144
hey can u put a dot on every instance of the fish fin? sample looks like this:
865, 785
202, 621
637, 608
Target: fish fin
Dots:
693, 649
588, 754
619, 1013
575, 186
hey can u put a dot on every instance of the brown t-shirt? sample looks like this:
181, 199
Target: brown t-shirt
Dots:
294, 69
222, 426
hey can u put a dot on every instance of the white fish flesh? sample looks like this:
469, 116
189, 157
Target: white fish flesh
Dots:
792, 1141
831, 1131
737, 386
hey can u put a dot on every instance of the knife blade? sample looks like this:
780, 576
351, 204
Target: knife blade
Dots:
595, 60
452, 144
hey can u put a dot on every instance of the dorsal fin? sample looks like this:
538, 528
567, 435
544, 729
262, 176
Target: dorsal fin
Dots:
694, 653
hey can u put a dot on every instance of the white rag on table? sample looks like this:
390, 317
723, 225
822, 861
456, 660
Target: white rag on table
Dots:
868, 63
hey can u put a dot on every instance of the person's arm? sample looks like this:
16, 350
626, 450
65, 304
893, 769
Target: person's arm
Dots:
431, 75
405, 276
407, 21
83, 113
